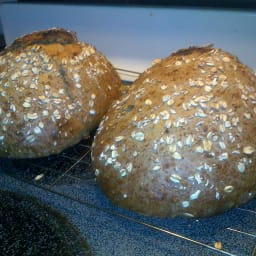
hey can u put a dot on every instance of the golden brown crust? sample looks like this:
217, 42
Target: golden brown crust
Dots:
50, 36
52, 94
182, 142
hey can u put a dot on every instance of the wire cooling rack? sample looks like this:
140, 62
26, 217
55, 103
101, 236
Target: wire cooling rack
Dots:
232, 233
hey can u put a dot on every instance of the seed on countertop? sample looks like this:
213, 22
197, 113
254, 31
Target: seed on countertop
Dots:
218, 245
248, 150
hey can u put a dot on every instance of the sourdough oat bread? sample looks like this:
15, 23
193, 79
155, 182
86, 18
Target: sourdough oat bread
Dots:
182, 142
54, 90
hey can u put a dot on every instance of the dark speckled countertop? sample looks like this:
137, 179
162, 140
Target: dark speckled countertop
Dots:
66, 182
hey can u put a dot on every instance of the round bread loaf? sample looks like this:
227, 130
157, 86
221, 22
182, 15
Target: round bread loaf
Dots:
182, 141
54, 90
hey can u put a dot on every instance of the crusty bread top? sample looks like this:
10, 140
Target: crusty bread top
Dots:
54, 90
183, 140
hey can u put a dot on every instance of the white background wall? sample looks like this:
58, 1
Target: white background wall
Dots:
132, 37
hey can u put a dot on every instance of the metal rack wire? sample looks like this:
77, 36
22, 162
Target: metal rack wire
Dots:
73, 168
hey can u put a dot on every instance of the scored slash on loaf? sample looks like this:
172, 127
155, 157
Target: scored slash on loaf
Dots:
182, 141
54, 91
